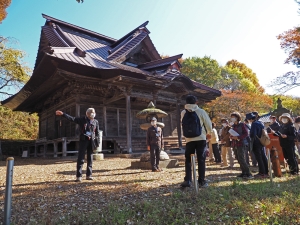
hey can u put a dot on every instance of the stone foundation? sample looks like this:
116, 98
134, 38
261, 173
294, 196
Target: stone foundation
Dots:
169, 163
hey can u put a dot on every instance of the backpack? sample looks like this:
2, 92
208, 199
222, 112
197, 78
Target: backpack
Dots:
191, 124
264, 139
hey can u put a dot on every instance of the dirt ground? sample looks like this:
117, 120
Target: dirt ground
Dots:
43, 186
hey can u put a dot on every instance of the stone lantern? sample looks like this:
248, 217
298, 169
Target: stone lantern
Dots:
148, 113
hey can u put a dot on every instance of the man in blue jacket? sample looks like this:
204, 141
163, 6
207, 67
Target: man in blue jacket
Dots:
258, 149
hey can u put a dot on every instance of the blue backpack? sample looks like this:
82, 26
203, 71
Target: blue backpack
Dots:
191, 124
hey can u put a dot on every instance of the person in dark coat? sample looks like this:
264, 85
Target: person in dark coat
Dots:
89, 140
274, 124
257, 147
287, 134
155, 143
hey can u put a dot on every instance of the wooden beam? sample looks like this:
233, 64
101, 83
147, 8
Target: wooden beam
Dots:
128, 123
104, 121
118, 121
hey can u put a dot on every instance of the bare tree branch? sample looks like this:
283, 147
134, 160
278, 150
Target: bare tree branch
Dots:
286, 82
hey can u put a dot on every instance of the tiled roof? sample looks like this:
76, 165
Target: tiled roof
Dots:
53, 38
160, 62
265, 118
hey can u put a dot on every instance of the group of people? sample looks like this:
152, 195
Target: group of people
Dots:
238, 139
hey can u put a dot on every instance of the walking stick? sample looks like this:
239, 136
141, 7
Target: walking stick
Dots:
270, 166
194, 173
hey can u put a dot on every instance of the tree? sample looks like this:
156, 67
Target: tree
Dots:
203, 70
247, 73
3, 5
18, 125
232, 79
239, 101
13, 72
289, 102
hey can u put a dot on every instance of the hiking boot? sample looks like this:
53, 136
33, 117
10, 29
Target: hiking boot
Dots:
78, 179
241, 175
248, 177
89, 178
203, 184
258, 175
186, 184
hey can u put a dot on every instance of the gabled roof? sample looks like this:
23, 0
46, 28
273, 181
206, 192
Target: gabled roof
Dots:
49, 18
78, 51
143, 25
127, 45
161, 62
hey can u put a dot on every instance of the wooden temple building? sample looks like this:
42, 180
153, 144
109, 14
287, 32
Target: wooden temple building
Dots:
77, 68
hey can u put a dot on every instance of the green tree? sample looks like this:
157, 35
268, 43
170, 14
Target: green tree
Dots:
203, 70
13, 72
232, 79
247, 73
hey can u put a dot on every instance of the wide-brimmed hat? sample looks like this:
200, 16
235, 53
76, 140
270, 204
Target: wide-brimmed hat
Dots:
250, 116
286, 115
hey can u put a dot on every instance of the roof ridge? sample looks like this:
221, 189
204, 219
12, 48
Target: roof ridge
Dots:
131, 32
175, 57
78, 27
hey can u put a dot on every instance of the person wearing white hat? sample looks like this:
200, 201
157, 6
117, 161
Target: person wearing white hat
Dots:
287, 134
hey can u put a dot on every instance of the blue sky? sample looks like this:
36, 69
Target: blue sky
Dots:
244, 30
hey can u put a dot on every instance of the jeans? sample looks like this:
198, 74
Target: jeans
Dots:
252, 156
154, 156
262, 161
85, 146
289, 155
199, 147
240, 154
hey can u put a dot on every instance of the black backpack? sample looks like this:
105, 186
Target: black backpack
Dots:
191, 124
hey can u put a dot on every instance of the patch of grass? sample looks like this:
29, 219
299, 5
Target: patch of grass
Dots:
255, 202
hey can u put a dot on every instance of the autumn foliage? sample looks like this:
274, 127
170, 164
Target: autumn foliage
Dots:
290, 42
239, 101
3, 5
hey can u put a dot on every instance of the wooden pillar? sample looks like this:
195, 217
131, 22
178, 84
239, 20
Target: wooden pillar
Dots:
128, 123
64, 146
35, 150
55, 148
104, 121
45, 150
171, 124
178, 118
118, 121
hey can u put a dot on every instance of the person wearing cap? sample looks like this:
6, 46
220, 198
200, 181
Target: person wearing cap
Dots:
155, 143
226, 150
89, 140
239, 143
274, 125
257, 147
287, 134
196, 144
248, 149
